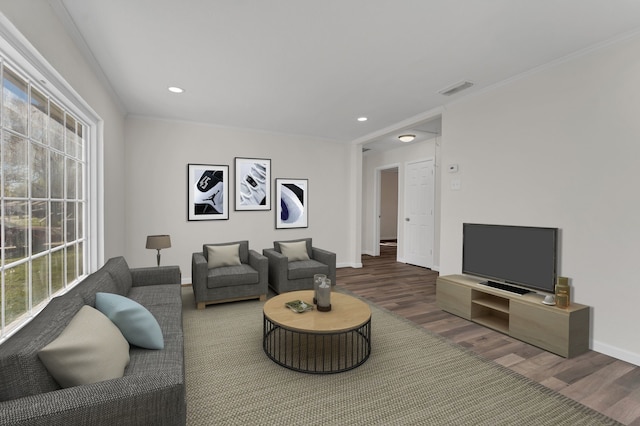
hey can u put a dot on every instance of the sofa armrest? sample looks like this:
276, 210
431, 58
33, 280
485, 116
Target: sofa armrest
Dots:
157, 399
278, 266
156, 275
329, 259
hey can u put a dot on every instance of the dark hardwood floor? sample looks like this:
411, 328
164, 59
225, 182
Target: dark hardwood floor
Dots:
601, 382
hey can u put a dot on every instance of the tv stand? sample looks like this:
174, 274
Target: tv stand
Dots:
506, 287
563, 331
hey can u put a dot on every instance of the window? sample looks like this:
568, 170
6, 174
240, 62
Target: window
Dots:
43, 197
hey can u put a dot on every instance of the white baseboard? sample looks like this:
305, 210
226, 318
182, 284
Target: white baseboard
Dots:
616, 352
349, 265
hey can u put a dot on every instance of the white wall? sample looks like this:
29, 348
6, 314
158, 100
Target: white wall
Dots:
371, 164
559, 148
40, 25
157, 154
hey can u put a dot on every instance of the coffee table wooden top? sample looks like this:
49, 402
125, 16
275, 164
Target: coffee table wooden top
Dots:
347, 313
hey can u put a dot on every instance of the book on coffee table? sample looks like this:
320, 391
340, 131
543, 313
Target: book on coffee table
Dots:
299, 306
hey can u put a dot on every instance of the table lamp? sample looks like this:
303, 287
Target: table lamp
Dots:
158, 242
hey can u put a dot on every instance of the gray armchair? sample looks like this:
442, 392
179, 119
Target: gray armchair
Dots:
289, 275
221, 273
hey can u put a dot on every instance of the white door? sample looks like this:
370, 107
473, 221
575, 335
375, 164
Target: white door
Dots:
418, 213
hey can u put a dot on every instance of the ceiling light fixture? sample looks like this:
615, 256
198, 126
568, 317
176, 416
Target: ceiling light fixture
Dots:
362, 119
406, 138
174, 89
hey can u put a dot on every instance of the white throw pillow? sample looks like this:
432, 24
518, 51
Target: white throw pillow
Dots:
226, 255
295, 251
89, 350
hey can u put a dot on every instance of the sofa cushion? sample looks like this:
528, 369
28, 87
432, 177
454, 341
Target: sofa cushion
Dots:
306, 269
223, 255
21, 371
294, 250
226, 276
89, 350
135, 322
119, 270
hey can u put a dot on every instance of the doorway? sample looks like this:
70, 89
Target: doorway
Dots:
386, 214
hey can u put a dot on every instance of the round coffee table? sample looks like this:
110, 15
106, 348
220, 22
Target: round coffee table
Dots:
313, 341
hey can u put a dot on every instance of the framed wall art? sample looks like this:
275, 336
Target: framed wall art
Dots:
292, 203
253, 184
208, 188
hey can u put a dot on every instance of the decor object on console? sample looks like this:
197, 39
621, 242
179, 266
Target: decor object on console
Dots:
208, 187
226, 272
158, 242
253, 184
563, 292
293, 264
292, 203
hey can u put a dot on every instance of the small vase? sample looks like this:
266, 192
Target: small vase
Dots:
324, 296
317, 280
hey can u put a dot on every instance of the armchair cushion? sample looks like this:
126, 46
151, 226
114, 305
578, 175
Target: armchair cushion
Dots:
277, 245
225, 276
306, 269
296, 250
223, 255
243, 249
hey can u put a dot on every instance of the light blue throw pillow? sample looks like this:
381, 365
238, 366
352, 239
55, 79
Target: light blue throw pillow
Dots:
135, 322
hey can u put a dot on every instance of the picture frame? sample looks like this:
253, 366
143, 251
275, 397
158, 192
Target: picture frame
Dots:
208, 192
252, 184
292, 203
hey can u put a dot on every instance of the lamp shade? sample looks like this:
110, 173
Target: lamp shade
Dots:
158, 242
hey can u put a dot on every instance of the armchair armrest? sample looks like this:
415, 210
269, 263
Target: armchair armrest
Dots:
328, 258
156, 275
278, 266
260, 263
199, 271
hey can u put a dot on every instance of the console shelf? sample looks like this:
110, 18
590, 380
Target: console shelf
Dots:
563, 331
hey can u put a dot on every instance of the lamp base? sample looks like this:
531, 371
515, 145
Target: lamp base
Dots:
324, 308
158, 257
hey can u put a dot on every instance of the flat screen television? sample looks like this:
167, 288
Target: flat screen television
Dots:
521, 255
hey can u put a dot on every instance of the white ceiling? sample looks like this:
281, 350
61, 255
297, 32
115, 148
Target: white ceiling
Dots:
312, 67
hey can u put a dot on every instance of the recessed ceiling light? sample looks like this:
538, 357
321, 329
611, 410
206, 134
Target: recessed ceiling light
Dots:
362, 119
174, 89
406, 138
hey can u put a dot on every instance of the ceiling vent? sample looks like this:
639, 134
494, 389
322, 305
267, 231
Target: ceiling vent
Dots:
458, 87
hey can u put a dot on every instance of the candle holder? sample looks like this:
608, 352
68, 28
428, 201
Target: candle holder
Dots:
317, 280
324, 295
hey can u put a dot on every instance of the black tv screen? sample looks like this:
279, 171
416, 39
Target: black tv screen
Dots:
522, 255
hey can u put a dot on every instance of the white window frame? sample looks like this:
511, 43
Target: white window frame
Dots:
20, 54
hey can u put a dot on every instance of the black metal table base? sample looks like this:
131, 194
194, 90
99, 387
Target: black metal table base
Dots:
317, 353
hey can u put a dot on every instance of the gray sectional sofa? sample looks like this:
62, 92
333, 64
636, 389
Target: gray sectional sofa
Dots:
152, 390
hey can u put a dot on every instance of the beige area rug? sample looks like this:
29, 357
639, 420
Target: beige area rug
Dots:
411, 378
